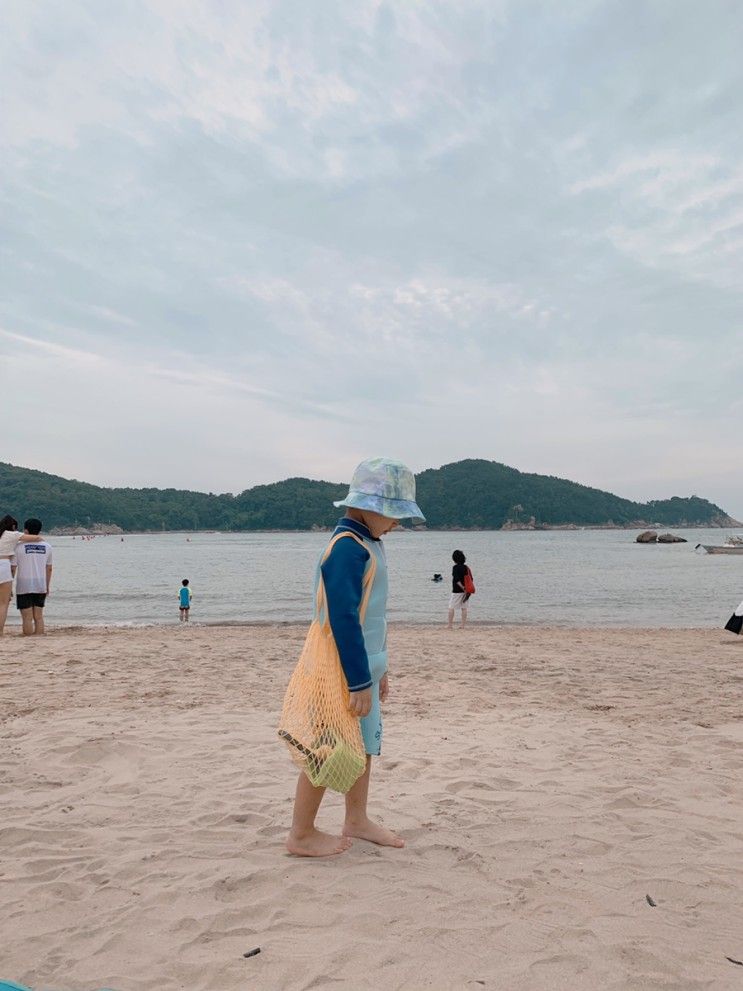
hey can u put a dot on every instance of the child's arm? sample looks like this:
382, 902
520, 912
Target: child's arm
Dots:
343, 575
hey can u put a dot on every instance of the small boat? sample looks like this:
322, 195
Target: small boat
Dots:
733, 545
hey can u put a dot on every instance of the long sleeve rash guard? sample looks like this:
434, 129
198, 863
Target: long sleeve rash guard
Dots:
343, 574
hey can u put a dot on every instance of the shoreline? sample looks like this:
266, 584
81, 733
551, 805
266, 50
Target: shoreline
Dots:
12, 629
546, 528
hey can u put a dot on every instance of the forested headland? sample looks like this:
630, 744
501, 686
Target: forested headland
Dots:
472, 494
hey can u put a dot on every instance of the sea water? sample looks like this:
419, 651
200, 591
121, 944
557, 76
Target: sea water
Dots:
581, 577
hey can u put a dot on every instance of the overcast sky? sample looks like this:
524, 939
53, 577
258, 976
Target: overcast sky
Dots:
246, 241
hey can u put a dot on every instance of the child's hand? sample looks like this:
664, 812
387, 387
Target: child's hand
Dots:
384, 688
360, 703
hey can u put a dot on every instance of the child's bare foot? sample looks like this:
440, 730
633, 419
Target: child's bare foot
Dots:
316, 844
373, 832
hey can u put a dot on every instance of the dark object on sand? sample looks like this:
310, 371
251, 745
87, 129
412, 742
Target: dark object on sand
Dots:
735, 623
651, 902
738, 962
252, 953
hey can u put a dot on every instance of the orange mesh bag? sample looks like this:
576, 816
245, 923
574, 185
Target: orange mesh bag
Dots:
323, 737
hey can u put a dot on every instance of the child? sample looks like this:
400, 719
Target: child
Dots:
184, 600
382, 493
458, 598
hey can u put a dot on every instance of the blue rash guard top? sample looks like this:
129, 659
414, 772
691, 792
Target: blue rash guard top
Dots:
362, 649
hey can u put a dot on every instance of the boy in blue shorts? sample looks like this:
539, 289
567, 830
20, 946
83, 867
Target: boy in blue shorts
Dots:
184, 600
382, 493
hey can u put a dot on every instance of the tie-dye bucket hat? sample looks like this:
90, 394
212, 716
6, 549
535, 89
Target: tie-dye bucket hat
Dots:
383, 486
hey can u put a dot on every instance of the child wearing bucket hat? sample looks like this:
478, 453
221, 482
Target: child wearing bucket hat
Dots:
382, 492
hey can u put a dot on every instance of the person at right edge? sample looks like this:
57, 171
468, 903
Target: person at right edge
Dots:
382, 493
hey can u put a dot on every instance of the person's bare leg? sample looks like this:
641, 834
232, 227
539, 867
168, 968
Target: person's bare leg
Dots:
38, 616
27, 619
5, 590
304, 839
358, 822
464, 616
450, 623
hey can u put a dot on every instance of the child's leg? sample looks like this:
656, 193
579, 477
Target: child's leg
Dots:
464, 615
27, 619
304, 839
451, 619
38, 613
358, 822
5, 590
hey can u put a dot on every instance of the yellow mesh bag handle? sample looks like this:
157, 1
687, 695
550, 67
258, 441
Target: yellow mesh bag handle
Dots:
323, 738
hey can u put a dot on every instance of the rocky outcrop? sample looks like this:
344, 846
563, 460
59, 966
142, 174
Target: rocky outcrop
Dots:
671, 538
723, 521
647, 537
516, 525
95, 529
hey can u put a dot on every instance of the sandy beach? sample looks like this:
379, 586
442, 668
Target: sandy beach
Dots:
545, 780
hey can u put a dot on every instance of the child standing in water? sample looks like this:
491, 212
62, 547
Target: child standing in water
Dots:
184, 600
382, 493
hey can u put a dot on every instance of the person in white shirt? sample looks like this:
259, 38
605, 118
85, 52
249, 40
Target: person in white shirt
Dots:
33, 563
9, 540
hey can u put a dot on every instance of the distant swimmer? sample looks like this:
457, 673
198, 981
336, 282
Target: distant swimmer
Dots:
437, 578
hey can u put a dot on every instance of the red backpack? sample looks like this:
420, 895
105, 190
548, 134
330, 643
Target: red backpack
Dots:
469, 585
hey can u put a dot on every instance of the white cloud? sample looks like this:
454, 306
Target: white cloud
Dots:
22, 343
681, 211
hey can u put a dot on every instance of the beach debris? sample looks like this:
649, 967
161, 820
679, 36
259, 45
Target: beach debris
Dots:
738, 962
253, 953
651, 902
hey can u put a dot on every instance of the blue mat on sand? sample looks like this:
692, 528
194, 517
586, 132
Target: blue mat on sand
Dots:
10, 986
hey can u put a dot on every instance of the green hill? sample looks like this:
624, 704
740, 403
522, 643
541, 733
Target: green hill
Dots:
487, 495
468, 494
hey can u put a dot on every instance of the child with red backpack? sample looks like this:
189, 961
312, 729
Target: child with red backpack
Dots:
462, 587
